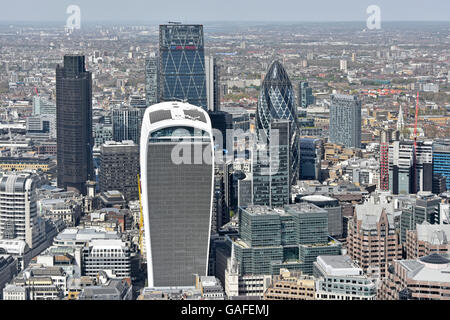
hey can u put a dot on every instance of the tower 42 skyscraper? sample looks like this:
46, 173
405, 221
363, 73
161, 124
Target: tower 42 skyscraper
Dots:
74, 123
177, 174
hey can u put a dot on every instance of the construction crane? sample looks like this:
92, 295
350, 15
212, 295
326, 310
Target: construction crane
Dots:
415, 141
141, 217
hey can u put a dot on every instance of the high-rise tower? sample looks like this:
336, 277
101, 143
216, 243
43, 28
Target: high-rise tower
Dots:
74, 123
345, 120
151, 79
182, 64
277, 102
177, 176
18, 209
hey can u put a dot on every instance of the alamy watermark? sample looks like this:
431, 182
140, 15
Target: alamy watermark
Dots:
196, 147
73, 22
374, 19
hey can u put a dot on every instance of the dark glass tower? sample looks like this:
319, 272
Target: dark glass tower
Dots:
305, 96
74, 123
277, 102
182, 64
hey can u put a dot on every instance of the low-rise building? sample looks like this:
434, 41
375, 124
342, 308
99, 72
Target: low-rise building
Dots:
8, 270
15, 292
339, 278
108, 289
291, 286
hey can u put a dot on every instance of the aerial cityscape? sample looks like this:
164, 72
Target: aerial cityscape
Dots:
225, 160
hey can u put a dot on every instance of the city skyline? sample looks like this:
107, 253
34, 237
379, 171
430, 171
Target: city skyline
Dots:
225, 161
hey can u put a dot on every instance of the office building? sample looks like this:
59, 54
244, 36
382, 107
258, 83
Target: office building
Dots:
212, 83
345, 120
441, 160
404, 176
310, 158
126, 123
331, 205
271, 171
372, 241
424, 166
439, 184
136, 101
119, 168
222, 122
111, 289
305, 96
8, 270
290, 238
424, 206
175, 155
426, 239
425, 278
39, 283
182, 74
339, 278
74, 124
41, 127
277, 102
18, 210
106, 255
151, 79
401, 167
102, 133
291, 286
42, 106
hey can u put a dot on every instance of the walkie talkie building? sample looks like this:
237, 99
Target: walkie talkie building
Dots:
177, 176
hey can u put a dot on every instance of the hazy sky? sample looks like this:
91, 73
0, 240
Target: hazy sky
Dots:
224, 10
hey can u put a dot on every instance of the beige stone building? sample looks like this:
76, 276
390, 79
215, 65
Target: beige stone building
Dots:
291, 286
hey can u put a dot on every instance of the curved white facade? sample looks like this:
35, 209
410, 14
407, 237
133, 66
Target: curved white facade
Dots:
177, 192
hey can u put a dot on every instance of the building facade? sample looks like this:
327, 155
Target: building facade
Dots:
126, 123
277, 102
372, 240
74, 124
441, 160
18, 209
182, 64
305, 96
339, 278
175, 155
425, 278
119, 168
345, 120
427, 239
151, 79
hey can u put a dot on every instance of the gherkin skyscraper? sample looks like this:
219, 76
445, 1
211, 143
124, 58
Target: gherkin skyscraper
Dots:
277, 102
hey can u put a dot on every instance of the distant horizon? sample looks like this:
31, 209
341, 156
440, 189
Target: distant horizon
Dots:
232, 11
221, 21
